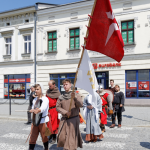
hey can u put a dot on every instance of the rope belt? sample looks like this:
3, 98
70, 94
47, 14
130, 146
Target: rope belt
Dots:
52, 107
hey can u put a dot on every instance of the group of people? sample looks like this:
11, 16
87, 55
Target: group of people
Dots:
68, 105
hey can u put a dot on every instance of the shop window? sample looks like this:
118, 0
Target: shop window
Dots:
131, 75
17, 76
52, 41
5, 76
17, 90
27, 44
74, 39
143, 75
8, 46
127, 30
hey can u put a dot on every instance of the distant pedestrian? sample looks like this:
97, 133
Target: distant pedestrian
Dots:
31, 97
112, 87
118, 105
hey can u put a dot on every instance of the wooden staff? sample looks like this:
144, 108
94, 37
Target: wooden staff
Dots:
82, 118
87, 32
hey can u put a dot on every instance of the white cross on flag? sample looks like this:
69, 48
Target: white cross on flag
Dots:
104, 35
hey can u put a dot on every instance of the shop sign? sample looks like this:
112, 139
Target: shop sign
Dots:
144, 86
16, 80
131, 85
95, 65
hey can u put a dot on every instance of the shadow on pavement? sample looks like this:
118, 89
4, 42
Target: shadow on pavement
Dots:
145, 144
54, 147
127, 116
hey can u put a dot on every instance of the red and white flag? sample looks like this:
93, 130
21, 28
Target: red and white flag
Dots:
104, 34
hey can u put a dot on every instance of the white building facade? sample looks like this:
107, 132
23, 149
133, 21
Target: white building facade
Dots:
60, 34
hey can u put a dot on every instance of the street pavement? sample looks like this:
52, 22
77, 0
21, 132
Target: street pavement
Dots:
134, 134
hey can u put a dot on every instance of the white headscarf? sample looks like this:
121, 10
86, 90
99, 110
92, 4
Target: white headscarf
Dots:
42, 87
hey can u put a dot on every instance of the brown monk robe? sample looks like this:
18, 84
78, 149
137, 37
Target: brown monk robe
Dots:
69, 135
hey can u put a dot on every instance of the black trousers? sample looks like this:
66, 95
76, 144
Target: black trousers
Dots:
29, 114
119, 116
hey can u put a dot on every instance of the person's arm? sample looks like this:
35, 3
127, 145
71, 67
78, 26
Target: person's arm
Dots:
122, 99
59, 108
85, 103
78, 101
99, 103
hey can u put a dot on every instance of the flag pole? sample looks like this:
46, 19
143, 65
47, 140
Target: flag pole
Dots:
82, 53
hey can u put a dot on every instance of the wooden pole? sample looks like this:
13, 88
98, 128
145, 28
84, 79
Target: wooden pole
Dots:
87, 32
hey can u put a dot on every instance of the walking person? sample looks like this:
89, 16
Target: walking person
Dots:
31, 97
91, 116
52, 94
107, 107
69, 136
118, 105
41, 128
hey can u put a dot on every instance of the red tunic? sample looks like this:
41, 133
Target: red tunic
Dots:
53, 123
104, 116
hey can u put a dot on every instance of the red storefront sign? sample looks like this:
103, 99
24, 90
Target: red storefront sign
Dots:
131, 85
95, 65
144, 85
16, 80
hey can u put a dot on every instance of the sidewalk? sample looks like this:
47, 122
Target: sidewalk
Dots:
133, 116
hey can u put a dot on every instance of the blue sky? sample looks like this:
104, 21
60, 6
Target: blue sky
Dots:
13, 4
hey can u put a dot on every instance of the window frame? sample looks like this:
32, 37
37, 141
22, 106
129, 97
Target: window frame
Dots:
74, 38
28, 51
51, 40
131, 29
8, 45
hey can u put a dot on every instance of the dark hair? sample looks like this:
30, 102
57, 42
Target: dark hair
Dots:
111, 80
53, 82
117, 85
36, 85
66, 80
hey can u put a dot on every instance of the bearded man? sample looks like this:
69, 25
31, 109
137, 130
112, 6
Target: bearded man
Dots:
52, 94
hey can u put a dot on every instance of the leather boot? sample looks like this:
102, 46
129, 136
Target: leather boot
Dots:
112, 126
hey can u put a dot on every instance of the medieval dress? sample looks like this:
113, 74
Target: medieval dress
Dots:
53, 123
69, 135
93, 130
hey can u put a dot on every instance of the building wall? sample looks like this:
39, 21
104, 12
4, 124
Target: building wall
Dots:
61, 19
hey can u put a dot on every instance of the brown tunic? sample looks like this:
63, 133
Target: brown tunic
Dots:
69, 135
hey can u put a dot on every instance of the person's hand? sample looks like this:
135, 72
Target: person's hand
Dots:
36, 111
68, 113
73, 95
90, 107
31, 111
121, 105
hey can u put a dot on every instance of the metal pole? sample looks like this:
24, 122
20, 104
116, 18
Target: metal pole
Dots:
35, 47
10, 105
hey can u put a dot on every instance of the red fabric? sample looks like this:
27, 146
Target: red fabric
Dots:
53, 124
99, 29
104, 116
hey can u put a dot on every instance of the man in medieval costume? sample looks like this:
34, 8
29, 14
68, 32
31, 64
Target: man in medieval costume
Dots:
91, 115
106, 106
52, 94
69, 136
118, 105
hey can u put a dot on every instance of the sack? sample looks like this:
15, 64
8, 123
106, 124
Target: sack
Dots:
47, 132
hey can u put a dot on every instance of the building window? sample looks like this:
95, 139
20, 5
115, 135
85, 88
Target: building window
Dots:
74, 39
8, 46
127, 30
27, 44
138, 84
52, 41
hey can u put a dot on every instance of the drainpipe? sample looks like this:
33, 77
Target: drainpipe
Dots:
35, 18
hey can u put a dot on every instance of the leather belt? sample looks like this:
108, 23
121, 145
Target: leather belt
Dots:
70, 117
52, 107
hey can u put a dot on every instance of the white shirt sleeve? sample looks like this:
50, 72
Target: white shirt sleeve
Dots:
45, 104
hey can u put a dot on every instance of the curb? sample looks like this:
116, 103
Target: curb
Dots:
13, 118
